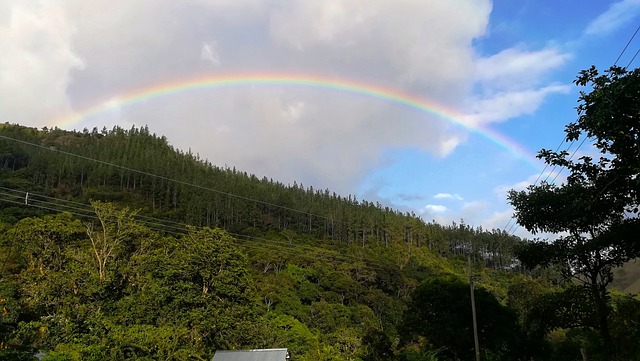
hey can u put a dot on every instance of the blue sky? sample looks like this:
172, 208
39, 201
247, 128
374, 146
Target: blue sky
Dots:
505, 65
471, 182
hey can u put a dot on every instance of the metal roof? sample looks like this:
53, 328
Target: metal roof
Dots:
274, 354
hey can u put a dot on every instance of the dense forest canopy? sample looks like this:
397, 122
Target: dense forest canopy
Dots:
117, 246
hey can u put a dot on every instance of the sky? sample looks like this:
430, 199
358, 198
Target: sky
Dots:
493, 81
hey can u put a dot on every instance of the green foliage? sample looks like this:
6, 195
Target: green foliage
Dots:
625, 326
57, 356
293, 212
327, 276
440, 311
119, 291
16, 355
419, 356
286, 331
597, 207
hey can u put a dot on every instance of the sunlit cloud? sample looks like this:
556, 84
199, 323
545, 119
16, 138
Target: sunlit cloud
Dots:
448, 196
502, 106
513, 83
434, 208
518, 68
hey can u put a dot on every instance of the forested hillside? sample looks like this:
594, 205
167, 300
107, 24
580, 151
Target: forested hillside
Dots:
141, 170
114, 245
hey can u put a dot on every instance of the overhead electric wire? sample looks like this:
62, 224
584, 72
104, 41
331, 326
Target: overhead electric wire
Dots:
34, 198
557, 174
269, 244
561, 167
80, 209
632, 59
626, 46
534, 183
177, 181
302, 253
564, 139
156, 224
571, 157
86, 212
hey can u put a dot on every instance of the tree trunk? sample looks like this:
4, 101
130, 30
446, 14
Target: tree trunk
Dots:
585, 355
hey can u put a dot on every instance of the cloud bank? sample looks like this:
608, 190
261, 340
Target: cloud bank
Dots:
95, 51
513, 83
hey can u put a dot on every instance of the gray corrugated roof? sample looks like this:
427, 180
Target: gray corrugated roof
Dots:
274, 354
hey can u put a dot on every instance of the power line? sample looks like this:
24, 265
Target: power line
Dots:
87, 211
304, 251
557, 174
75, 211
512, 220
561, 167
626, 46
50, 206
269, 244
82, 209
632, 59
229, 194
571, 157
564, 139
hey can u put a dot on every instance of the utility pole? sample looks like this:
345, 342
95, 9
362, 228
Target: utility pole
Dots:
473, 312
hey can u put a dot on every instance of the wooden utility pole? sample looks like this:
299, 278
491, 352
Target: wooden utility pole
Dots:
473, 312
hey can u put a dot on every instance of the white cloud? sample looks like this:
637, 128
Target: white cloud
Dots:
37, 57
551, 174
448, 196
498, 220
323, 137
474, 213
474, 206
448, 144
209, 53
511, 83
398, 38
518, 68
502, 190
616, 16
231, 12
434, 208
506, 105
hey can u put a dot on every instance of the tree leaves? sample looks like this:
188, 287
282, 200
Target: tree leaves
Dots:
595, 211
440, 310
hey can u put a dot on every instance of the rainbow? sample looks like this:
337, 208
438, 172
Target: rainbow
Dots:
371, 90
